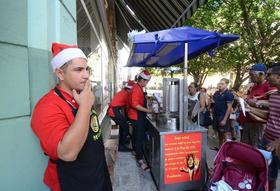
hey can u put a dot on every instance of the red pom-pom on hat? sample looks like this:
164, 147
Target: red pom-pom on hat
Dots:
145, 75
57, 47
129, 84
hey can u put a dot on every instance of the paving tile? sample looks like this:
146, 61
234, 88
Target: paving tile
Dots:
128, 177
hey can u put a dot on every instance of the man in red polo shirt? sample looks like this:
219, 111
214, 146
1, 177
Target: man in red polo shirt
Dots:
68, 128
118, 112
252, 130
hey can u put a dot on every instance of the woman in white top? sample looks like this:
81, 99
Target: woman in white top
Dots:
203, 91
196, 102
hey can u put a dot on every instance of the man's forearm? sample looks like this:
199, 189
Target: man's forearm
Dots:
227, 113
141, 108
75, 137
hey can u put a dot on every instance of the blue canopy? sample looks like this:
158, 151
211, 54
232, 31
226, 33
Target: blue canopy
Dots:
165, 48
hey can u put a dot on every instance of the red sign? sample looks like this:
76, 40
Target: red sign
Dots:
182, 157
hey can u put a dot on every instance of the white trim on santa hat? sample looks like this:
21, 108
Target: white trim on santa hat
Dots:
144, 76
127, 86
66, 55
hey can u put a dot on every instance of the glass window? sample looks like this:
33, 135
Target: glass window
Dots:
94, 62
100, 78
105, 76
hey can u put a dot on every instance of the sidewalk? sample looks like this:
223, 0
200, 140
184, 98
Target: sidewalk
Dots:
127, 176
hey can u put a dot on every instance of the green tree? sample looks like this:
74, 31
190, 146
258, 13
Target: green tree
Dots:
258, 24
202, 66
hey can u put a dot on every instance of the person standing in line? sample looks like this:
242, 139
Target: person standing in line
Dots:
271, 138
223, 99
118, 112
252, 129
137, 114
204, 115
196, 103
68, 128
203, 91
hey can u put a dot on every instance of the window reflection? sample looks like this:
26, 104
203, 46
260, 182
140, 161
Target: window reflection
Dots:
94, 62
101, 76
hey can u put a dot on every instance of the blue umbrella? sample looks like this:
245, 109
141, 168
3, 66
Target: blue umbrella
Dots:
165, 48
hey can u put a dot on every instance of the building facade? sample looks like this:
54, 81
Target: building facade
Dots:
27, 29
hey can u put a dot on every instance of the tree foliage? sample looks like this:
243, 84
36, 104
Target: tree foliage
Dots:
258, 24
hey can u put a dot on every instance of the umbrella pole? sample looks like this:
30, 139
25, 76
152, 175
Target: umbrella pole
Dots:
185, 90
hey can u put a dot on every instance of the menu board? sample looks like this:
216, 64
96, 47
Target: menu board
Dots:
182, 157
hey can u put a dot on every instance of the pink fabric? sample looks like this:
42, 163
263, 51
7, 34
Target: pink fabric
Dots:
240, 178
248, 160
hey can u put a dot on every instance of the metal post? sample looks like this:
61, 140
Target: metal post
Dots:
185, 90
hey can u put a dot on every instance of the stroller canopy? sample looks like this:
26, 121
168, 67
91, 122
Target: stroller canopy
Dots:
240, 153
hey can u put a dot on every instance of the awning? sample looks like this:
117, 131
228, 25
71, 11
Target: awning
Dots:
165, 48
153, 15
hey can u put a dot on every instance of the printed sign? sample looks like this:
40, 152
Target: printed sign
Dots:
182, 157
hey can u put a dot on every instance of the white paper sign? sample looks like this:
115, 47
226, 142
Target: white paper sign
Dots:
242, 104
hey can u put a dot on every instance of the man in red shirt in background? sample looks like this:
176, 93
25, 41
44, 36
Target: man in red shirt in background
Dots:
68, 128
252, 130
118, 112
137, 114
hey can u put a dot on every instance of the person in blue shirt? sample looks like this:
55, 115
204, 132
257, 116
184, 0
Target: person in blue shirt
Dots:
223, 99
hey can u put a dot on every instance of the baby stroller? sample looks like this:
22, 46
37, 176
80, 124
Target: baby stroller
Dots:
240, 166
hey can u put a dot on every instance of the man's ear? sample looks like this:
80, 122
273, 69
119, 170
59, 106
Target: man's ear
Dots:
59, 73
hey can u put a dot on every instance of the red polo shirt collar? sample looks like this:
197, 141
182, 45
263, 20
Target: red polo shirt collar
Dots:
70, 99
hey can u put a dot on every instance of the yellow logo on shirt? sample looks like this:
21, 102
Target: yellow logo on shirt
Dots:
94, 124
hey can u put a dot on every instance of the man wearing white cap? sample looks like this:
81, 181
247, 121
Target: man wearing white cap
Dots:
68, 128
118, 112
137, 114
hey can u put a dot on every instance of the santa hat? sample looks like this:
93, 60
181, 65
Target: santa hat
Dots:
63, 53
129, 84
145, 75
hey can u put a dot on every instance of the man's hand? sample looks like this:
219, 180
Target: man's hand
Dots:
252, 102
144, 109
196, 162
150, 111
275, 145
75, 137
223, 123
277, 150
263, 104
85, 98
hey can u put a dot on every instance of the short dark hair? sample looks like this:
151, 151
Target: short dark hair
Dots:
195, 85
64, 66
203, 88
275, 64
139, 78
275, 69
225, 80
136, 78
